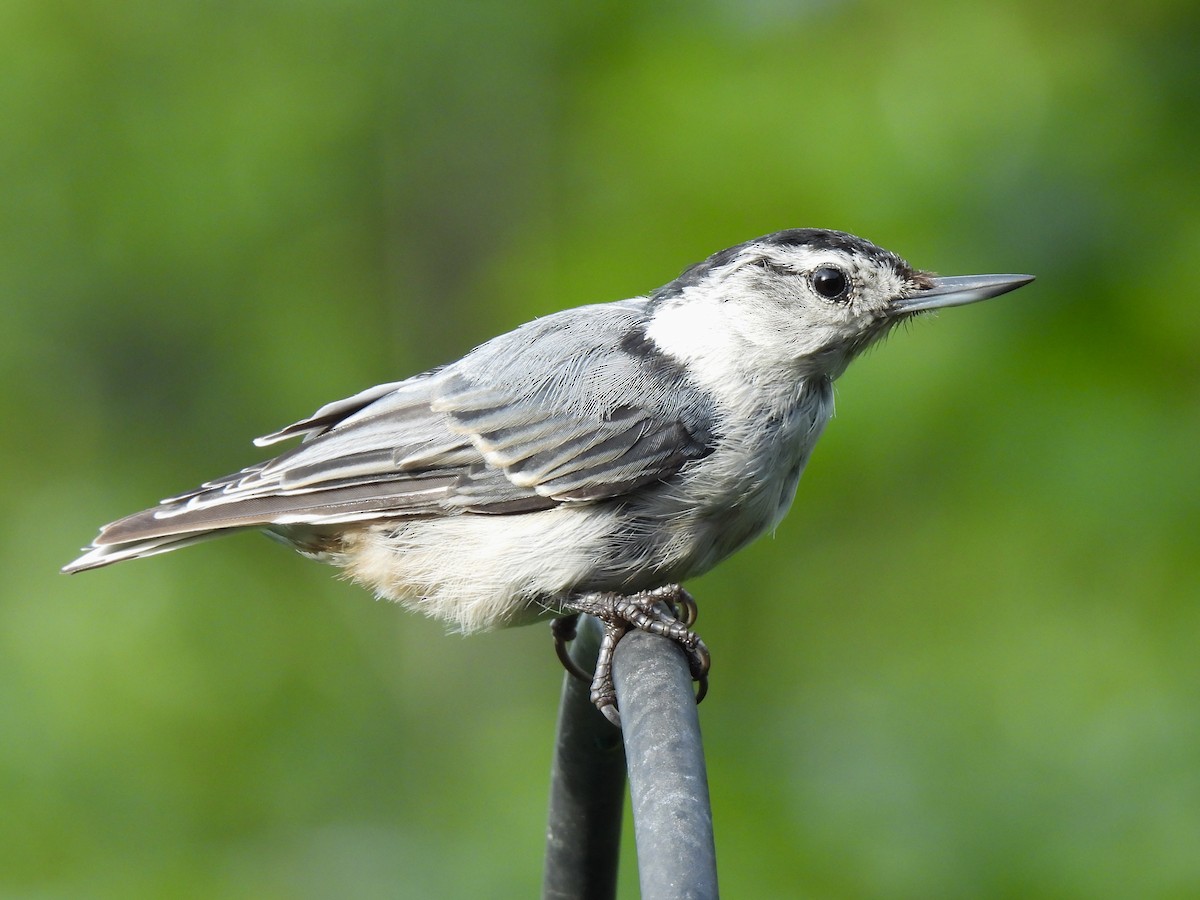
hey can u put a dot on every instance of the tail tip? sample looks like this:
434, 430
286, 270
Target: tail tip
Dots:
88, 560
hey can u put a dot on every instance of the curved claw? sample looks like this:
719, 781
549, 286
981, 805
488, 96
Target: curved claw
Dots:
702, 689
610, 712
686, 609
563, 630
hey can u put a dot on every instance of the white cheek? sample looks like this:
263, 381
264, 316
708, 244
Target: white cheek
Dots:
697, 333
689, 331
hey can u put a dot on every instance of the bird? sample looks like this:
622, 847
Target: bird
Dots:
587, 462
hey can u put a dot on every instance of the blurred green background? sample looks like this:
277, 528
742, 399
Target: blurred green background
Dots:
966, 665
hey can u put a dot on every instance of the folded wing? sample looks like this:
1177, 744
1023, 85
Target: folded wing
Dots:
554, 412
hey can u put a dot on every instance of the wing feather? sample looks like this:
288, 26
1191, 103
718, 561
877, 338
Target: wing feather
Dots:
329, 414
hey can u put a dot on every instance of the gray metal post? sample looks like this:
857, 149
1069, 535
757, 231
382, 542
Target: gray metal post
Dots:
672, 817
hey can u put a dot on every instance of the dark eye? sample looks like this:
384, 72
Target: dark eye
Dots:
830, 283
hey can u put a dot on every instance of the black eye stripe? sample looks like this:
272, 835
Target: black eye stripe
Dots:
830, 283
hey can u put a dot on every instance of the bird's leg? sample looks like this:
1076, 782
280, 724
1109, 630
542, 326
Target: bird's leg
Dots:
667, 611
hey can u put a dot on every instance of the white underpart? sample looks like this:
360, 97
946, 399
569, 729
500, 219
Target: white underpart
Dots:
478, 572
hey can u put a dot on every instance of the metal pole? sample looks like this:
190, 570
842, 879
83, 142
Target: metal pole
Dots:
672, 816
587, 790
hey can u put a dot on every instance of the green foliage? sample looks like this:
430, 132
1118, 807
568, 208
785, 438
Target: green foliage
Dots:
965, 665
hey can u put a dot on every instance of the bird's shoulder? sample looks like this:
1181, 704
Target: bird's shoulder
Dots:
589, 362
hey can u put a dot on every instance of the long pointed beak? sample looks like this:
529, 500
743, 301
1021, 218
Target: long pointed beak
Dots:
959, 290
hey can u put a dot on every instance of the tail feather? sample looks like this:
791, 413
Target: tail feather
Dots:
99, 555
178, 523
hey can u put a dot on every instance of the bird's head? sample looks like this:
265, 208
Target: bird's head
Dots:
806, 300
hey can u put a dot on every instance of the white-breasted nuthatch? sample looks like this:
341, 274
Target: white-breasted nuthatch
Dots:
588, 461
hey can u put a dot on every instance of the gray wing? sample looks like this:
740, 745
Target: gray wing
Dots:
573, 407
576, 406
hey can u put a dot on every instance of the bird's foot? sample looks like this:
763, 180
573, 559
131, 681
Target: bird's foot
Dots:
668, 611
